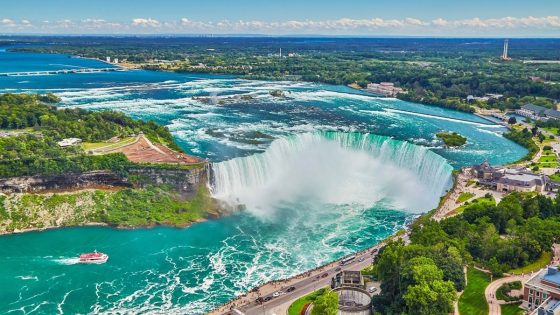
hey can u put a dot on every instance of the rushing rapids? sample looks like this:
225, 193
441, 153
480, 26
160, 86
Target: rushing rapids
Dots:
310, 198
334, 168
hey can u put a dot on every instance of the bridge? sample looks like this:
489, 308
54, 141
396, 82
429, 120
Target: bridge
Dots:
61, 71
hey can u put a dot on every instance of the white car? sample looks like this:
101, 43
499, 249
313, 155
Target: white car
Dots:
361, 259
276, 294
372, 290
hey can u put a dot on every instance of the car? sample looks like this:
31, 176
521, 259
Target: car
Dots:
338, 269
290, 289
372, 290
318, 277
361, 259
374, 251
276, 294
268, 298
326, 274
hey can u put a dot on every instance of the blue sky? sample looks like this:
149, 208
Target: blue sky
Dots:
284, 17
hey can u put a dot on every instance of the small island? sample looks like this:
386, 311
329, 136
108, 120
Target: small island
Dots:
452, 139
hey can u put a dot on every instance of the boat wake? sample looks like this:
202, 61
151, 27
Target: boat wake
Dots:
67, 260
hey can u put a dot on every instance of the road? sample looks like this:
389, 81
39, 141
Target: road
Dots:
304, 285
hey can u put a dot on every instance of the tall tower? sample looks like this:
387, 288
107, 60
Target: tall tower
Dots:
505, 53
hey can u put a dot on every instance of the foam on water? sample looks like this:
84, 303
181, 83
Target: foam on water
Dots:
333, 168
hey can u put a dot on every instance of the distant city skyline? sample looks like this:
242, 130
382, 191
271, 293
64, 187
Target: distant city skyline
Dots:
476, 18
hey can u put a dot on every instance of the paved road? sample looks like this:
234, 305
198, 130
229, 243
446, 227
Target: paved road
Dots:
317, 279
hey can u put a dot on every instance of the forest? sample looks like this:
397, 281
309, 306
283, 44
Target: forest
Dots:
423, 277
34, 150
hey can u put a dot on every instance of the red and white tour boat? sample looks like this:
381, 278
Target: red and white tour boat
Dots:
93, 258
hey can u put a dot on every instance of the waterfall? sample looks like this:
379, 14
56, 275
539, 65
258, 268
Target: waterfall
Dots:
334, 168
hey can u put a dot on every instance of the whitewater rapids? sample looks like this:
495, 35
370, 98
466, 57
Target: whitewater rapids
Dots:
334, 168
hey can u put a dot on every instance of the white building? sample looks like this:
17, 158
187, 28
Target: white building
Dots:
108, 59
68, 142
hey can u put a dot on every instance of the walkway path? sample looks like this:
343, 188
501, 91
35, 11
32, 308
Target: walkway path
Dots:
490, 292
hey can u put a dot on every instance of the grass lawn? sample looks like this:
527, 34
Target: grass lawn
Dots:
298, 304
107, 145
512, 309
482, 200
473, 301
547, 159
555, 177
540, 263
552, 130
464, 197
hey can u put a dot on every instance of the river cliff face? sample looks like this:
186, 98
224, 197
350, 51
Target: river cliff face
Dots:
39, 202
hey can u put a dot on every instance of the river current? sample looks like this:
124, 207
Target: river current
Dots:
323, 170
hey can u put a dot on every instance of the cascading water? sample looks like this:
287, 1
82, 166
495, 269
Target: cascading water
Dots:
334, 168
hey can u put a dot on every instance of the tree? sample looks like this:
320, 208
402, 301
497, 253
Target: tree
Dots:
326, 304
429, 294
512, 120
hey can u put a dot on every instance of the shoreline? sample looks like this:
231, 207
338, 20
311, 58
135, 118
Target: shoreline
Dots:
107, 225
261, 289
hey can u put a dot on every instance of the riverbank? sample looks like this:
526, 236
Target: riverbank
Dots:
315, 278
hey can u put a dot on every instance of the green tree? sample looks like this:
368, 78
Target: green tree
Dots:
326, 304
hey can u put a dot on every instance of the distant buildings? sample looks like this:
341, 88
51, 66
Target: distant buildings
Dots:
541, 292
116, 60
384, 88
68, 142
108, 59
510, 179
536, 112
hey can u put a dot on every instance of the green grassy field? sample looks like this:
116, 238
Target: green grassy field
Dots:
512, 309
545, 258
298, 304
482, 200
107, 145
472, 301
464, 197
552, 130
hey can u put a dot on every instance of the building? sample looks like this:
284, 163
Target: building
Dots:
384, 88
510, 179
116, 60
541, 293
108, 59
69, 142
353, 301
521, 181
536, 112
348, 279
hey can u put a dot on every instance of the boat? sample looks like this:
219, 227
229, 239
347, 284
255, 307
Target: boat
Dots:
93, 258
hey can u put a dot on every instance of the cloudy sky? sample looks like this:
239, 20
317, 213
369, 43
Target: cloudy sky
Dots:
514, 18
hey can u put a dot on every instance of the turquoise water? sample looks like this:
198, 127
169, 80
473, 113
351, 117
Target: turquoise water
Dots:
324, 171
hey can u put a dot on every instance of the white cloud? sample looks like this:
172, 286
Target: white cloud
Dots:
509, 26
149, 22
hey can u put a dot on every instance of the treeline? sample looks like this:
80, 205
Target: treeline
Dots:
422, 278
36, 151
19, 111
525, 139
436, 72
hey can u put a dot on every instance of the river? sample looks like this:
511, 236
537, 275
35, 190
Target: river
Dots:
324, 171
